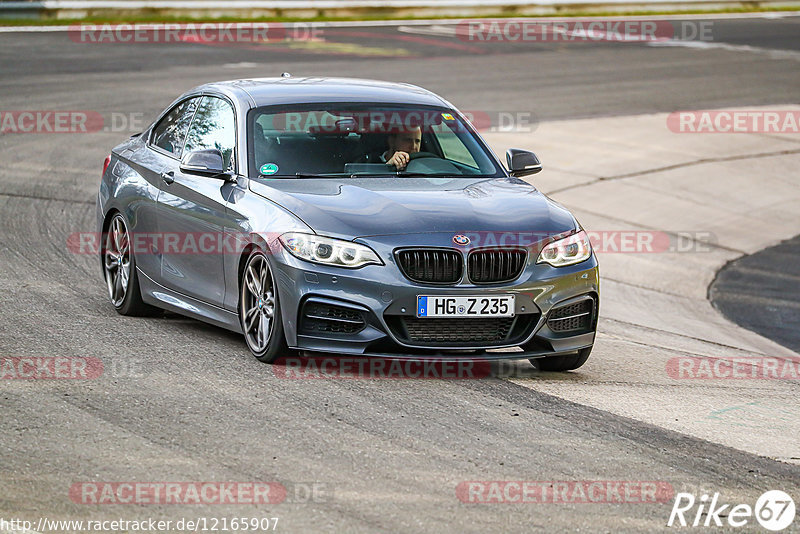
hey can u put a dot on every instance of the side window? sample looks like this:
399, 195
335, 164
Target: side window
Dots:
213, 127
170, 133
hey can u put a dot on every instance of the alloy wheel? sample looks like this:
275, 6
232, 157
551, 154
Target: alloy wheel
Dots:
117, 260
258, 303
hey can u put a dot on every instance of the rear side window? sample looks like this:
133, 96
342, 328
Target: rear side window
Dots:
213, 127
170, 133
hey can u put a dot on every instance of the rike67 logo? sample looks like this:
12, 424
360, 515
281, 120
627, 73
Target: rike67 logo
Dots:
774, 511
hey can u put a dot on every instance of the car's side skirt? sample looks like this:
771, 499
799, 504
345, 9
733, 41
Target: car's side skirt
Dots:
157, 295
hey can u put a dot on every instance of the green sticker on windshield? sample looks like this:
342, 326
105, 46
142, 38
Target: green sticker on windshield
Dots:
269, 168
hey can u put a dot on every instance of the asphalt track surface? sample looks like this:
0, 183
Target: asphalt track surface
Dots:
183, 401
761, 292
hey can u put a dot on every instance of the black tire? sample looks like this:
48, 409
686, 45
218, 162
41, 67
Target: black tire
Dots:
275, 345
562, 363
131, 303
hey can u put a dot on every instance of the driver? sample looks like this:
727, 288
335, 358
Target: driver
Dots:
401, 145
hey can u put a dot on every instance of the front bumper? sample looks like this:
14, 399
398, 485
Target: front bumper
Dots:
387, 302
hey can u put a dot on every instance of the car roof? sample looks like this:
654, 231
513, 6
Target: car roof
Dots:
290, 90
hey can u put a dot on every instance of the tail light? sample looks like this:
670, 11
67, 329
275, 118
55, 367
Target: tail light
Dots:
106, 163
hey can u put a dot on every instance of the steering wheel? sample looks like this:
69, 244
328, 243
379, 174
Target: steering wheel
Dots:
419, 155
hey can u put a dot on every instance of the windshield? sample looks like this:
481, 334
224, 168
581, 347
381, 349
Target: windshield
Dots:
362, 140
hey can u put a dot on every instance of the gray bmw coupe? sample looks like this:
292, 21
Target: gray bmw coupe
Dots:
344, 216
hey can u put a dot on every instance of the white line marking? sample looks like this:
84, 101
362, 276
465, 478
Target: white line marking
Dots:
439, 22
707, 45
448, 30
242, 65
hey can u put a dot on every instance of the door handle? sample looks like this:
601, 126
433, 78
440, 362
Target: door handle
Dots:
168, 177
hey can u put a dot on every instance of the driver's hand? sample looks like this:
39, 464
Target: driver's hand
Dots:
399, 159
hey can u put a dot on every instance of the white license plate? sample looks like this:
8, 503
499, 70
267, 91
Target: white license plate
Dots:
450, 306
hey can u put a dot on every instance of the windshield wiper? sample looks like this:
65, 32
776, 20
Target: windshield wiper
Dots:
321, 175
304, 175
400, 174
404, 174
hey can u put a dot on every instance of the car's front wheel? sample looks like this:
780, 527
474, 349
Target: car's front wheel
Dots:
562, 363
259, 310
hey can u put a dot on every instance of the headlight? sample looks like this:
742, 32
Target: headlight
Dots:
329, 251
567, 251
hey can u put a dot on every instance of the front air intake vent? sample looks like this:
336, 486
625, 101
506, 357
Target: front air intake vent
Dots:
319, 317
457, 330
574, 318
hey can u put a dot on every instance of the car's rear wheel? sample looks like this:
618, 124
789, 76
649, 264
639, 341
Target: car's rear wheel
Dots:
259, 310
119, 267
562, 363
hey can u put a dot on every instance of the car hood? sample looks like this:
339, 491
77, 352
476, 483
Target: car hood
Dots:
386, 206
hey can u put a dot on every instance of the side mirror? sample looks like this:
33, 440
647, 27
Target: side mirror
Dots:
206, 162
522, 162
